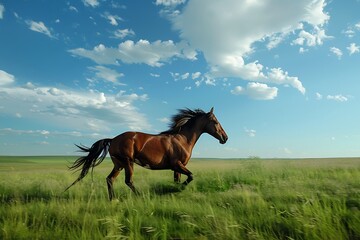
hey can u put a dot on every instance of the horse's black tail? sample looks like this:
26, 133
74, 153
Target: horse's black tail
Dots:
96, 154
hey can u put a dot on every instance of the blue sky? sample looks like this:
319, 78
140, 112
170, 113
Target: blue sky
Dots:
283, 76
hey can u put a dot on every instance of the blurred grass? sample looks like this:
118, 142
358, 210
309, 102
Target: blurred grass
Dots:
228, 199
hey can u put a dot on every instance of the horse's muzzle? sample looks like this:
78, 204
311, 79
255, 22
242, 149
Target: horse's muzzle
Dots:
223, 139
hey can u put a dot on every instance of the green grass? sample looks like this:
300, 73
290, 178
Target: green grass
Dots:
228, 199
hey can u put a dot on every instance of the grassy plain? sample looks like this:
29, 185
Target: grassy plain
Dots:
228, 199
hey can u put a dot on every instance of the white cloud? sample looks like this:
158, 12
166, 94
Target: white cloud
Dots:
123, 33
169, 3
153, 54
6, 78
2, 10
350, 33
303, 50
338, 98
75, 109
258, 91
72, 8
91, 3
178, 76
46, 133
195, 75
311, 39
29, 85
225, 31
165, 120
209, 81
185, 76
55, 91
336, 51
107, 74
278, 76
318, 96
276, 39
155, 75
132, 97
357, 26
351, 30
113, 19
250, 132
353, 48
39, 27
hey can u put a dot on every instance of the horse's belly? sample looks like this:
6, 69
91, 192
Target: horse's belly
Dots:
151, 163
152, 156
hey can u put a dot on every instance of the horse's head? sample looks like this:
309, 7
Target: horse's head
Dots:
214, 128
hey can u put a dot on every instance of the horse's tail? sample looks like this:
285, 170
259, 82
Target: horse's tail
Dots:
96, 154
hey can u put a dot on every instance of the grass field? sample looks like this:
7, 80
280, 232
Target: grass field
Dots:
228, 199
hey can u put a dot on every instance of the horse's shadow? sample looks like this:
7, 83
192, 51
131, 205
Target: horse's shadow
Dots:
166, 188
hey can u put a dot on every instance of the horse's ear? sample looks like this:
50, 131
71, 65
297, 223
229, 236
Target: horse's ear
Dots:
211, 110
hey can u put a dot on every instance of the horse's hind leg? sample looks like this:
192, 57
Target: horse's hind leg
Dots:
110, 180
129, 170
177, 177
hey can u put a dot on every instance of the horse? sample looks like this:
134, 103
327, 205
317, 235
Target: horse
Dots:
170, 149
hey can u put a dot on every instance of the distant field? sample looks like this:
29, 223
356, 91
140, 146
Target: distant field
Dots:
228, 199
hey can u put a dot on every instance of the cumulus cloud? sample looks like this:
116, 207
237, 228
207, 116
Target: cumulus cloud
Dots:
317, 37
29, 85
46, 133
40, 28
353, 48
54, 91
6, 78
225, 32
258, 91
278, 76
72, 109
154, 54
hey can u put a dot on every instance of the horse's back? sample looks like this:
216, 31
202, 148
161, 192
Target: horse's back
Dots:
128, 143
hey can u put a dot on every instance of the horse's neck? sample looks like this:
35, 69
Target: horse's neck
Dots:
192, 134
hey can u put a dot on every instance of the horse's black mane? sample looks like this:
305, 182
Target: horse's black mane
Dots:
181, 118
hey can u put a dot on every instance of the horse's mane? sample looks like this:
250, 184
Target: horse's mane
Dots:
181, 118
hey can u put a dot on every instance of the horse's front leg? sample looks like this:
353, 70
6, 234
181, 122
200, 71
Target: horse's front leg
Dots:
181, 169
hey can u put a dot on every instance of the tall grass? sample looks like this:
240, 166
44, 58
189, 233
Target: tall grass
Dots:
228, 199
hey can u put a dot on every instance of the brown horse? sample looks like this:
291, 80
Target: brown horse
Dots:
168, 150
